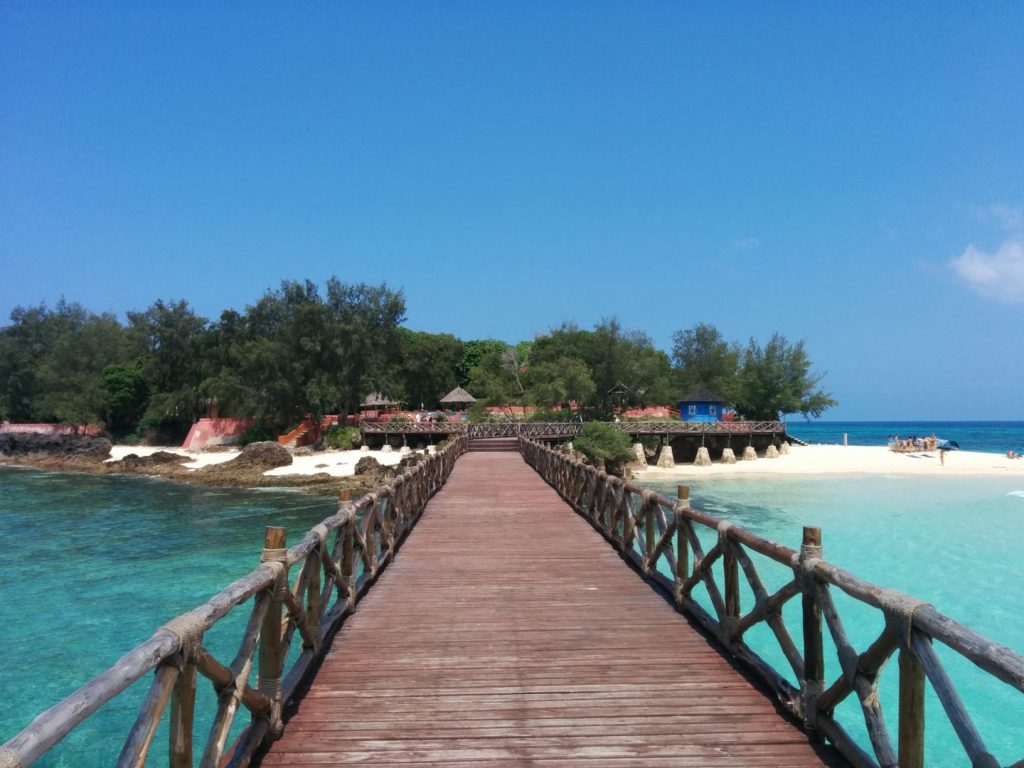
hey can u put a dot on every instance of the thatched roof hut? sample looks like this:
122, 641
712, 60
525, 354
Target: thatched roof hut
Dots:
458, 396
377, 401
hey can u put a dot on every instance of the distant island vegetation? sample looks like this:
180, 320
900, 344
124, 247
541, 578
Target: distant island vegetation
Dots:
302, 350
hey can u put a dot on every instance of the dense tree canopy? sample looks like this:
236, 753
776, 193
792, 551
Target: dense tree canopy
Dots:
302, 350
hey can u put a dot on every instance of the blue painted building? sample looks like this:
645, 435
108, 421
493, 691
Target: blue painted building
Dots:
701, 405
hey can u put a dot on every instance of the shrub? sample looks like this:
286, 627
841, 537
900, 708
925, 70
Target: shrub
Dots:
602, 441
258, 433
341, 438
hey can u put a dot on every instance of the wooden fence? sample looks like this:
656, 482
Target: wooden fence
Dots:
336, 562
569, 429
660, 536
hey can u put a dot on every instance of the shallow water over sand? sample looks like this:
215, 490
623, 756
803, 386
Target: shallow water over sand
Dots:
95, 564
957, 543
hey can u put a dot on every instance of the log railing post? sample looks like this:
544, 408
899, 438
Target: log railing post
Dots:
813, 683
911, 718
649, 534
269, 684
682, 546
730, 566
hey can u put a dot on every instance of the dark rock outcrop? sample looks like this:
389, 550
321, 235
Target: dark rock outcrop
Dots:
39, 444
260, 456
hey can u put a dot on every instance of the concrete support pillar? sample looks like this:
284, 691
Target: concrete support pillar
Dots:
772, 452
638, 450
703, 458
665, 458
784, 449
728, 456
749, 454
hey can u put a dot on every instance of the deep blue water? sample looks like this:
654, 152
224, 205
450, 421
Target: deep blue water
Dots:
93, 565
984, 436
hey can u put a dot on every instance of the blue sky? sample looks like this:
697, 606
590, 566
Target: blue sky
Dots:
848, 174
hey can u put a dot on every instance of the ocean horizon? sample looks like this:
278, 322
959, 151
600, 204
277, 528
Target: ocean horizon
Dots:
982, 436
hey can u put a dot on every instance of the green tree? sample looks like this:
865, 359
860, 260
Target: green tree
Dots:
556, 384
473, 352
777, 379
126, 395
428, 366
51, 363
167, 339
496, 378
598, 440
703, 359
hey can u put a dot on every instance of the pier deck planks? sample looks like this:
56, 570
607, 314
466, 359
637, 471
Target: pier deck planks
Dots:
508, 632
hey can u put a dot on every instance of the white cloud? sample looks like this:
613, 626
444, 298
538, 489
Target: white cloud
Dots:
998, 275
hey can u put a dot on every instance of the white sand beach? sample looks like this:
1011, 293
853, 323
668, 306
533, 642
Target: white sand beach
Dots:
851, 460
802, 460
334, 463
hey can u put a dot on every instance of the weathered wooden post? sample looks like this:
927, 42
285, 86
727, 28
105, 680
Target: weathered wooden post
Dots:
911, 725
650, 504
732, 582
347, 552
813, 683
183, 705
682, 545
270, 661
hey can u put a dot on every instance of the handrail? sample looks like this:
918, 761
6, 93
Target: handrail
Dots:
550, 429
655, 532
340, 558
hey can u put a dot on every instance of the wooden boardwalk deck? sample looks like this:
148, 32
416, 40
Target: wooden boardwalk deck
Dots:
508, 632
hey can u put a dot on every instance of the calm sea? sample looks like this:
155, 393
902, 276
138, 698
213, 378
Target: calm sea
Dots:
94, 565
984, 436
957, 543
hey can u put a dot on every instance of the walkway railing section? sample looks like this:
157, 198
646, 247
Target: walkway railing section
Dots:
660, 536
336, 562
569, 429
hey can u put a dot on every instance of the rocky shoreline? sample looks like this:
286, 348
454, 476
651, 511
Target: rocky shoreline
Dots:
78, 453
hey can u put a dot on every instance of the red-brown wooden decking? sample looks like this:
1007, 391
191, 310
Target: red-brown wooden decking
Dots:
508, 632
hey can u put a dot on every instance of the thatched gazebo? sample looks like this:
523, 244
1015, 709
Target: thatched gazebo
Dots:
375, 401
458, 397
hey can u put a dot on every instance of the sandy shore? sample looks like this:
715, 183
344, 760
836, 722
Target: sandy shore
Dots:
851, 460
334, 463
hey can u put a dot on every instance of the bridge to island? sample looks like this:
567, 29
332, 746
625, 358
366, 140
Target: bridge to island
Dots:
502, 603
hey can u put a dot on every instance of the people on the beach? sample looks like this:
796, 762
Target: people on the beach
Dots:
913, 443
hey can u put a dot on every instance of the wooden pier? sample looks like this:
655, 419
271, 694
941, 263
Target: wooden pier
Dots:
509, 633
478, 610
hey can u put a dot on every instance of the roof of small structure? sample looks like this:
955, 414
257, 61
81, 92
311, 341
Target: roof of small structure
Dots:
458, 395
702, 396
377, 400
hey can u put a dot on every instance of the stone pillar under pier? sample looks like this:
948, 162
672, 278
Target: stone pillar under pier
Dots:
638, 450
665, 458
728, 456
703, 458
749, 454
772, 452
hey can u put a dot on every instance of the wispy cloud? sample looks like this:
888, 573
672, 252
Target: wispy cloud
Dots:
998, 276
1009, 217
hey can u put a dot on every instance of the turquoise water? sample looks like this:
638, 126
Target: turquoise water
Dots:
984, 436
94, 564
957, 543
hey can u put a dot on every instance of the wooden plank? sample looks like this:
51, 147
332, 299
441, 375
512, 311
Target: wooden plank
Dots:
508, 632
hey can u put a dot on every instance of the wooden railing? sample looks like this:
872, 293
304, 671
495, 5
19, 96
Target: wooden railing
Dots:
336, 563
660, 536
553, 429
